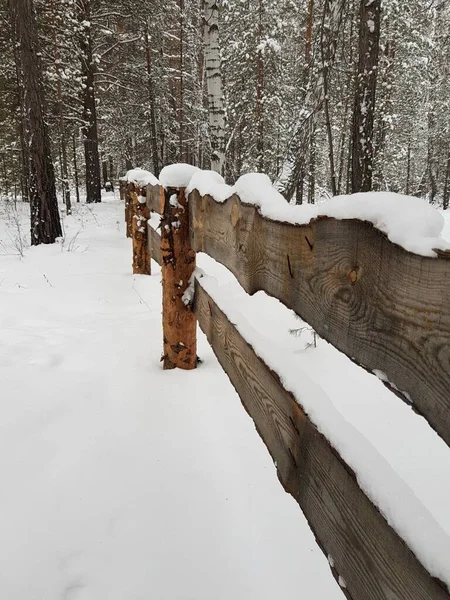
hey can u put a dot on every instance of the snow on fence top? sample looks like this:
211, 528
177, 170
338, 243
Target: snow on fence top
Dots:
396, 501
141, 177
407, 221
178, 175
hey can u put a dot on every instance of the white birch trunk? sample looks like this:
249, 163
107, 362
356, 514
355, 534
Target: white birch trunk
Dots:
216, 111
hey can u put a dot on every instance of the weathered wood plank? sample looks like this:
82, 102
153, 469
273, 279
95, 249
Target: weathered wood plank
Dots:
371, 558
374, 562
155, 198
384, 307
154, 244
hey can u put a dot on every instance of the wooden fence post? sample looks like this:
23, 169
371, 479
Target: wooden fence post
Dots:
139, 214
128, 208
177, 265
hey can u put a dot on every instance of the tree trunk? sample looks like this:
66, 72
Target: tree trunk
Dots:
446, 194
111, 172
104, 173
45, 223
408, 168
325, 51
259, 94
181, 87
62, 130
364, 105
89, 129
216, 111
312, 164
75, 168
151, 97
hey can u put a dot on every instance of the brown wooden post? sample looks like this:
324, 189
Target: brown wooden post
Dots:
128, 208
177, 265
139, 214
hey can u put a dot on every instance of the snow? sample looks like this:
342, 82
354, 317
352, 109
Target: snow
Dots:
120, 480
407, 221
116, 474
177, 175
141, 177
399, 461
446, 231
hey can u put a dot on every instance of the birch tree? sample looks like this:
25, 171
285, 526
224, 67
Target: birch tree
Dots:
216, 112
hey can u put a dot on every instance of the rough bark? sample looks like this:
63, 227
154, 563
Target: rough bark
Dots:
151, 97
89, 129
140, 215
45, 223
178, 264
364, 104
325, 51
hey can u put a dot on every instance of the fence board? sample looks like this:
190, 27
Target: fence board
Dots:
373, 561
371, 558
385, 308
154, 244
155, 198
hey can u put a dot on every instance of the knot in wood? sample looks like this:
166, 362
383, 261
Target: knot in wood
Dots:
353, 276
235, 214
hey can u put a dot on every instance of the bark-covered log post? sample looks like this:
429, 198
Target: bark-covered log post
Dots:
177, 265
122, 189
139, 214
128, 208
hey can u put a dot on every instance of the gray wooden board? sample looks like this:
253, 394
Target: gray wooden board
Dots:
372, 559
374, 562
154, 244
154, 198
387, 309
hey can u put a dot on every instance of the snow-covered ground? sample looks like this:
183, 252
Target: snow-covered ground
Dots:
118, 480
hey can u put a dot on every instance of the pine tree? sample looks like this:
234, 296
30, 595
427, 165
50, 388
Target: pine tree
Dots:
45, 223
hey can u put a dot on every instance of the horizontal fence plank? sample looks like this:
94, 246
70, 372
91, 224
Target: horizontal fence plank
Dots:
368, 557
155, 198
385, 308
366, 553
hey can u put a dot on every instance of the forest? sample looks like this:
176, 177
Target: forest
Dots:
325, 96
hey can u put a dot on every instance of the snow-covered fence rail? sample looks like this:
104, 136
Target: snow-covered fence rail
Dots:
365, 552
386, 308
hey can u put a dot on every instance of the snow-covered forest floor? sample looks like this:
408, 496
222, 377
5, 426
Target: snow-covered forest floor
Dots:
120, 480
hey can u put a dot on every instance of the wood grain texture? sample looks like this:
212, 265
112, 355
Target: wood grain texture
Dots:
154, 244
385, 308
374, 562
155, 198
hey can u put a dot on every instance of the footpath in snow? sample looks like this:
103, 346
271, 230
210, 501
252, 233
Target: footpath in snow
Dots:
121, 481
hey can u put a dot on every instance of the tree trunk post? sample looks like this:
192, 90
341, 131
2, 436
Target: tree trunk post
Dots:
128, 209
140, 214
177, 265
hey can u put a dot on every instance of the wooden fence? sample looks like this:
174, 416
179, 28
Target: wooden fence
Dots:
385, 308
